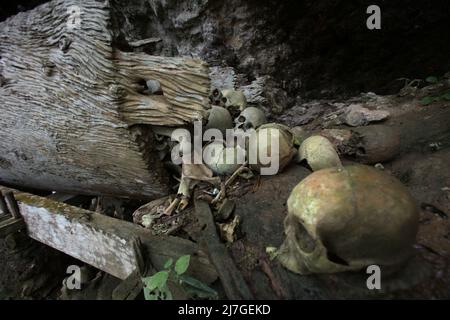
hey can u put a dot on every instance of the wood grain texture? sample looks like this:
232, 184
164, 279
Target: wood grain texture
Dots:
101, 241
72, 111
231, 277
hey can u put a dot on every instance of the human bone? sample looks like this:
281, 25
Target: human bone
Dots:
234, 98
251, 117
263, 145
345, 219
376, 143
319, 153
219, 118
223, 160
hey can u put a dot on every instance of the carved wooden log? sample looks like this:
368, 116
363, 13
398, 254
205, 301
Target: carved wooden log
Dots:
73, 111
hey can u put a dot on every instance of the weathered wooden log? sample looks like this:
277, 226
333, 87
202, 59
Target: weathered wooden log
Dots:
101, 241
232, 280
74, 110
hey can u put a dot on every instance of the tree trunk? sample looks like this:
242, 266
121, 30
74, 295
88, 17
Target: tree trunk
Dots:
73, 112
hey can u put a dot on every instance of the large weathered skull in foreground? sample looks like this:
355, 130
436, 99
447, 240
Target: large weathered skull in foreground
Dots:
343, 219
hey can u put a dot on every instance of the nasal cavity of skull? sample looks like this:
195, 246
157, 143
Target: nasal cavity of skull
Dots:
304, 239
150, 87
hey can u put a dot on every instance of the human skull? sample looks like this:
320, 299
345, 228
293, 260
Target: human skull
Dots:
319, 153
234, 99
263, 146
345, 219
299, 135
250, 117
219, 118
216, 98
376, 143
223, 160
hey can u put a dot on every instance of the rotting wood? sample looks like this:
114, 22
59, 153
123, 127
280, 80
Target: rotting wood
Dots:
10, 225
12, 205
73, 111
3, 206
103, 242
10, 219
130, 288
232, 280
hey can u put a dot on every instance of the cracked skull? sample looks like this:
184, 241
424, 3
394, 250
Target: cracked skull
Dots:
345, 219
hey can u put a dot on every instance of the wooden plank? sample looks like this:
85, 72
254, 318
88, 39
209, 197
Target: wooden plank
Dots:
3, 207
232, 280
101, 241
12, 205
11, 225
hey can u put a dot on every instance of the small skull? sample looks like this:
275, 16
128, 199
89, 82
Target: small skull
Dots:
219, 118
153, 87
223, 160
234, 99
319, 153
216, 98
263, 146
250, 118
345, 219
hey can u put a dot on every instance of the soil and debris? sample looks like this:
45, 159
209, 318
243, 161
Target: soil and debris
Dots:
249, 210
405, 134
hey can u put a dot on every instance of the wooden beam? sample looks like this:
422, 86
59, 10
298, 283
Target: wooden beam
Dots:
10, 225
232, 280
101, 241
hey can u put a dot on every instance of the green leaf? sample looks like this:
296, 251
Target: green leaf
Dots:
432, 80
166, 294
182, 264
156, 281
168, 263
163, 294
446, 96
150, 295
427, 101
197, 289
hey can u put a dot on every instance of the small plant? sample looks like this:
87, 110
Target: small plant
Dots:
432, 80
156, 287
431, 99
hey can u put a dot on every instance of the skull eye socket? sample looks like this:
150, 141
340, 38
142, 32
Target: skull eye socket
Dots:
241, 119
224, 100
304, 239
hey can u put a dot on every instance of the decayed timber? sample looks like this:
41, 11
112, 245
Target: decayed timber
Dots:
232, 280
101, 241
72, 107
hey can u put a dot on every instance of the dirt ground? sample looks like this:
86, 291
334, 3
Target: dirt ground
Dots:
423, 165
33, 271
